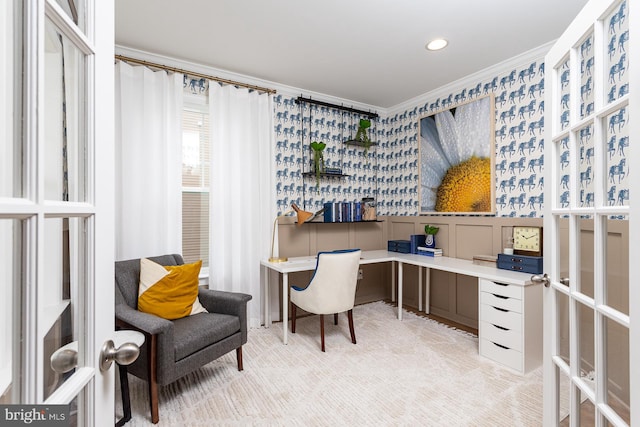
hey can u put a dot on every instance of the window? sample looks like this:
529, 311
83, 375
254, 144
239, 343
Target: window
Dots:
195, 184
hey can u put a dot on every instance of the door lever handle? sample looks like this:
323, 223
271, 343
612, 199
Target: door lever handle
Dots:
564, 281
65, 358
126, 354
541, 279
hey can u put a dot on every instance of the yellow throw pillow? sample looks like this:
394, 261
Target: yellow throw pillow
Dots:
169, 292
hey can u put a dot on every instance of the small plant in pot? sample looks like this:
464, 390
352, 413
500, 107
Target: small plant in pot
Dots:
430, 231
318, 159
362, 135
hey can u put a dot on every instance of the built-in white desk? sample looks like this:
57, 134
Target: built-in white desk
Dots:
497, 276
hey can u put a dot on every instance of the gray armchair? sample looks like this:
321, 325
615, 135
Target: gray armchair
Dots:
174, 348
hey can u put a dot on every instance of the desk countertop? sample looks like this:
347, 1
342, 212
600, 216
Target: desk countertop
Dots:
453, 265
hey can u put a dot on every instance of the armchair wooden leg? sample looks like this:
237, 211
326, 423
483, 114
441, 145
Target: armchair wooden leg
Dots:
239, 358
353, 334
322, 330
335, 318
293, 318
153, 379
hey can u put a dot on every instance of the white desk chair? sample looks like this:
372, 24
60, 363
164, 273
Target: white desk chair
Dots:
332, 289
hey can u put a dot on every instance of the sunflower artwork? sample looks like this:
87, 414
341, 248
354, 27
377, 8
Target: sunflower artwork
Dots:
457, 159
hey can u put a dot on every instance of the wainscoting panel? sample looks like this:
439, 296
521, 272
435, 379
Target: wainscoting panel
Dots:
475, 240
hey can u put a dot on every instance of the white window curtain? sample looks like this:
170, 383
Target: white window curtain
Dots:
148, 162
242, 190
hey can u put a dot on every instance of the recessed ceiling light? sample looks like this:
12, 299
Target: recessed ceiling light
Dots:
437, 44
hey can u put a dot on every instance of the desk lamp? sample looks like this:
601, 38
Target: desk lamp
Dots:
303, 216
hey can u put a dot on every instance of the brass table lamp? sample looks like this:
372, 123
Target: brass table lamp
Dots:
303, 216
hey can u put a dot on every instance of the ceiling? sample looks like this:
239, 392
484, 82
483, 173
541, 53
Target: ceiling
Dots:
367, 51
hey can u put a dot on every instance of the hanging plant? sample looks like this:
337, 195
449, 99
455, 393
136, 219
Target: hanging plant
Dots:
318, 159
362, 135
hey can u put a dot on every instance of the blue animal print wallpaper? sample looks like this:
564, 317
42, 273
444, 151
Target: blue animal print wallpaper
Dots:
615, 126
299, 124
388, 171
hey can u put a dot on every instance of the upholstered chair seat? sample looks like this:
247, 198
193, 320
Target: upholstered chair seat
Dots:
332, 289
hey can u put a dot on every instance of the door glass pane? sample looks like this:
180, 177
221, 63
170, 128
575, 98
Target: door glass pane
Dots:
586, 241
564, 404
59, 296
618, 373
587, 151
65, 140
563, 326
564, 97
616, 60
75, 9
562, 165
617, 137
617, 265
10, 326
75, 408
10, 97
586, 78
587, 353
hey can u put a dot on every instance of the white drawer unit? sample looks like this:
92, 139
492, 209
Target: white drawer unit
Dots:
510, 324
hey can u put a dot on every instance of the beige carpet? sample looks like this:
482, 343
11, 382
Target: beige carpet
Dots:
401, 373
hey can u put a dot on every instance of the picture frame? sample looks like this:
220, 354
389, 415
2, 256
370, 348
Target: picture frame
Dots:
456, 158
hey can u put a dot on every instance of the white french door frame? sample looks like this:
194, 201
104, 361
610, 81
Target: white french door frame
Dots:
589, 26
92, 309
634, 214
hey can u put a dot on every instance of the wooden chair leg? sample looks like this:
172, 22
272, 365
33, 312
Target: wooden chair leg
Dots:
126, 401
153, 378
239, 358
335, 318
293, 318
322, 330
353, 334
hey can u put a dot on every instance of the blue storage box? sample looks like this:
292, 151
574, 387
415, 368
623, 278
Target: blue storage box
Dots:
417, 240
522, 263
402, 246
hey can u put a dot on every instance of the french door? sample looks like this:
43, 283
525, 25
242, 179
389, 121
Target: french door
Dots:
56, 198
589, 238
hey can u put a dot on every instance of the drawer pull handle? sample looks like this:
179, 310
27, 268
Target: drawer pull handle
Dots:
500, 296
516, 267
501, 346
500, 284
500, 327
516, 260
500, 309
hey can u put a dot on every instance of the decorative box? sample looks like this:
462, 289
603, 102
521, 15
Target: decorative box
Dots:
417, 240
402, 246
486, 260
523, 263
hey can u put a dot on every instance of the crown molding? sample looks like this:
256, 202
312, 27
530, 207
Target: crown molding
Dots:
469, 80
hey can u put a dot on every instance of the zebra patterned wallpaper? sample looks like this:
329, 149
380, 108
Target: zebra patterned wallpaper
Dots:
389, 171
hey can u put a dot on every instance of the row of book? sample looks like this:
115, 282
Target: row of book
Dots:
343, 211
423, 250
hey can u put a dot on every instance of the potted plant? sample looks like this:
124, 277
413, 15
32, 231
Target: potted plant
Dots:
430, 231
362, 135
318, 159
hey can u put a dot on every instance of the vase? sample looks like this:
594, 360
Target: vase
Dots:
430, 241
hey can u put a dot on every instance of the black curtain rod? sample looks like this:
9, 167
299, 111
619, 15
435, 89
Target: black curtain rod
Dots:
339, 107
